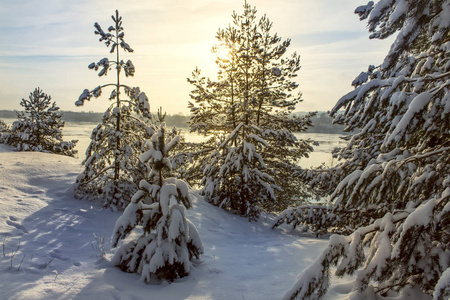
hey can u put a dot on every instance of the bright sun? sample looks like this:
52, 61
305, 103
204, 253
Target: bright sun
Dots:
221, 51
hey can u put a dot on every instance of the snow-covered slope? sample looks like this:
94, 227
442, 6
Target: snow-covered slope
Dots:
48, 248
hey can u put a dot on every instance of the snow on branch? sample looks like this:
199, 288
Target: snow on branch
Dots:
418, 104
364, 10
314, 280
394, 236
231, 135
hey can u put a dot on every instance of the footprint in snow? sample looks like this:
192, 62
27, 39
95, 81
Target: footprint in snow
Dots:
81, 212
73, 174
57, 254
11, 222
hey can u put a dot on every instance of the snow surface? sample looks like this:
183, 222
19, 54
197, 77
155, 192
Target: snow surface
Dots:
58, 256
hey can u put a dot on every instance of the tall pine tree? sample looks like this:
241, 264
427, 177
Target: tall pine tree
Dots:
247, 113
397, 165
112, 168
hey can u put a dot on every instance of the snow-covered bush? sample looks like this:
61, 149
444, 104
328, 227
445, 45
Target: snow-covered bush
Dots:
112, 168
39, 127
397, 166
169, 240
247, 112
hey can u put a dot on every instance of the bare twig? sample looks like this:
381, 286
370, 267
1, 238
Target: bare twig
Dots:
46, 264
13, 253
18, 269
56, 274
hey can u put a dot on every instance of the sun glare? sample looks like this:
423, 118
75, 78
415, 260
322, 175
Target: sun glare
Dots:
221, 51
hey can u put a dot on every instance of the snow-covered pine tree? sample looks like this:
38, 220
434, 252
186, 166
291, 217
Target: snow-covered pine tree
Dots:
39, 127
247, 113
3, 126
398, 163
4, 131
112, 168
169, 241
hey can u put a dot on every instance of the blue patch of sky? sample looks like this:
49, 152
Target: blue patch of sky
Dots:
323, 38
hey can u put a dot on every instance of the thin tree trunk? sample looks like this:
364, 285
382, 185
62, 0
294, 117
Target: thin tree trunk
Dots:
117, 150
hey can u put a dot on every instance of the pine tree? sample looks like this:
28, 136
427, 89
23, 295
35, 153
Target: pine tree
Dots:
247, 113
397, 167
112, 168
3, 126
39, 127
4, 131
169, 241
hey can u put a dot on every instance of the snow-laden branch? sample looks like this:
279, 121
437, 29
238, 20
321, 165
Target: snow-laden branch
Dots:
231, 135
341, 251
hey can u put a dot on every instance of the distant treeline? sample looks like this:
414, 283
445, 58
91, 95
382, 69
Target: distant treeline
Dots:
176, 120
69, 116
323, 123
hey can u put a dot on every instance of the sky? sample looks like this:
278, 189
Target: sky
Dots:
50, 43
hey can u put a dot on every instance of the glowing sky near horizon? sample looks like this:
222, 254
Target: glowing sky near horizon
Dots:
50, 43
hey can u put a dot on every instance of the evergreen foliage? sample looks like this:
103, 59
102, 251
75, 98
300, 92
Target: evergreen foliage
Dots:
3, 126
169, 241
247, 112
38, 128
112, 168
397, 166
4, 131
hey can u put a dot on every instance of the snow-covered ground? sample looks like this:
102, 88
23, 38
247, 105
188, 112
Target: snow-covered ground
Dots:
51, 245
48, 248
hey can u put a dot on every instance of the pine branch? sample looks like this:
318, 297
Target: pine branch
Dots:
96, 175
